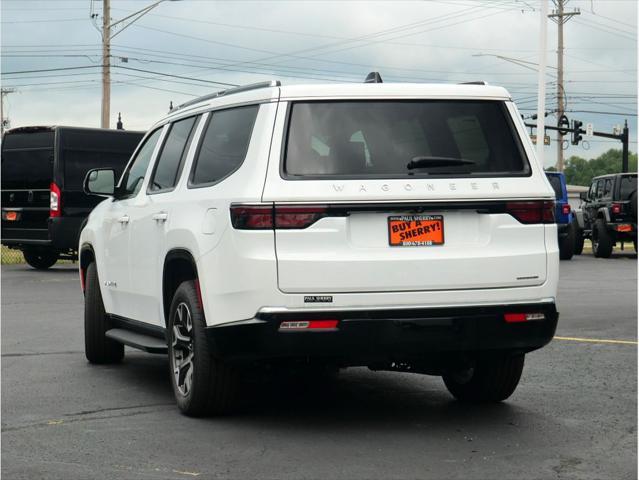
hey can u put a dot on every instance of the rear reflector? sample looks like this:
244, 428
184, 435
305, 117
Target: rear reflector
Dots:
309, 325
523, 317
532, 212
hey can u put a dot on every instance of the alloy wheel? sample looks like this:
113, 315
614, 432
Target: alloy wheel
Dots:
182, 349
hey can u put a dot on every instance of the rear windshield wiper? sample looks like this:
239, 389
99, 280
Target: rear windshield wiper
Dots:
425, 162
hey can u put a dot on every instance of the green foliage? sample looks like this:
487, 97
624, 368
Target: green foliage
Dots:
580, 171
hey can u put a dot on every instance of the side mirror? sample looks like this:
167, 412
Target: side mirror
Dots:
100, 181
583, 196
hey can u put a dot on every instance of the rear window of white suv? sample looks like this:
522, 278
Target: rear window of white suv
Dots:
402, 139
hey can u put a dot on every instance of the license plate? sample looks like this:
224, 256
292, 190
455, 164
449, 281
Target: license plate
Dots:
415, 230
10, 216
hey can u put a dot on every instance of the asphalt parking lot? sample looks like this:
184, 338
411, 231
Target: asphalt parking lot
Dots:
573, 416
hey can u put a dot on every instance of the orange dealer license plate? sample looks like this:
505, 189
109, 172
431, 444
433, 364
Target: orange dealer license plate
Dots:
415, 230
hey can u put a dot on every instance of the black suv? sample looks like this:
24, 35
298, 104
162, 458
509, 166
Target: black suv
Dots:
43, 168
609, 212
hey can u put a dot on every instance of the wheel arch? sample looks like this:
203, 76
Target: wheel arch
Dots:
86, 256
179, 266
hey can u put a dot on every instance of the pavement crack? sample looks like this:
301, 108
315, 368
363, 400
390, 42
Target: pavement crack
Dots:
87, 416
111, 409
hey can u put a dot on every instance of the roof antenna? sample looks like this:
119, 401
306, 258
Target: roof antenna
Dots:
119, 125
170, 105
373, 77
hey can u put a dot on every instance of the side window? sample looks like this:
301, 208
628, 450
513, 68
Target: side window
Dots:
607, 188
599, 190
224, 144
167, 168
134, 176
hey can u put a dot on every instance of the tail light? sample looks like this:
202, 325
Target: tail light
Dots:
523, 317
260, 217
298, 217
541, 211
565, 209
55, 201
615, 208
251, 217
305, 325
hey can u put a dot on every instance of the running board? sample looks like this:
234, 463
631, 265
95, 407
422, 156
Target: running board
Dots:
137, 340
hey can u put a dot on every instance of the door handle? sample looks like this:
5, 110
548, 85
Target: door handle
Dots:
160, 217
124, 219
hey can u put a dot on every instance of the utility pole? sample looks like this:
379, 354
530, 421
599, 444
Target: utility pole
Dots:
106, 64
560, 16
541, 79
3, 93
106, 31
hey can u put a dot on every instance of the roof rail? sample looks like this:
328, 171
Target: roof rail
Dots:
477, 82
229, 91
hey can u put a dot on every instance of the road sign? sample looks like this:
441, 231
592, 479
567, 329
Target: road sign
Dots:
589, 129
616, 130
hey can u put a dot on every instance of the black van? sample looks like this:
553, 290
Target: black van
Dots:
43, 204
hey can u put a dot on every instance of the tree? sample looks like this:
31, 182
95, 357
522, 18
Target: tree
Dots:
580, 171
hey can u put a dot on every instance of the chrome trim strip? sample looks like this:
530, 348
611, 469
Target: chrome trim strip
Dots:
270, 310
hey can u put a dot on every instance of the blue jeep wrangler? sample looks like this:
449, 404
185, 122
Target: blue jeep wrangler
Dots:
563, 215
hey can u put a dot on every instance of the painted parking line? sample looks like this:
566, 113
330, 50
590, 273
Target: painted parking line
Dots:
597, 340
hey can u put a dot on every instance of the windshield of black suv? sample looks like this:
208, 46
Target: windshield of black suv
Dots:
627, 185
27, 160
400, 139
555, 182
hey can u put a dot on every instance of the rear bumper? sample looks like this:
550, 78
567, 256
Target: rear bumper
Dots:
620, 230
563, 229
368, 337
64, 232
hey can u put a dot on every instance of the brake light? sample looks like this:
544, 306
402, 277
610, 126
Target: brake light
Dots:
542, 211
309, 325
565, 209
616, 208
55, 201
523, 317
298, 217
251, 217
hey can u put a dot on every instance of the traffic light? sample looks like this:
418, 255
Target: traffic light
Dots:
576, 131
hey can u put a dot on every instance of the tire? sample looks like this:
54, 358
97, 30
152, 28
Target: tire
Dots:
601, 241
567, 244
97, 347
492, 379
579, 237
40, 259
202, 385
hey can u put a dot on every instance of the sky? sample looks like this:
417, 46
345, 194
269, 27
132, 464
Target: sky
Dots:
187, 48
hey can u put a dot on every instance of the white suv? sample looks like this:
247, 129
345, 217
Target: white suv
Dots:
401, 227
